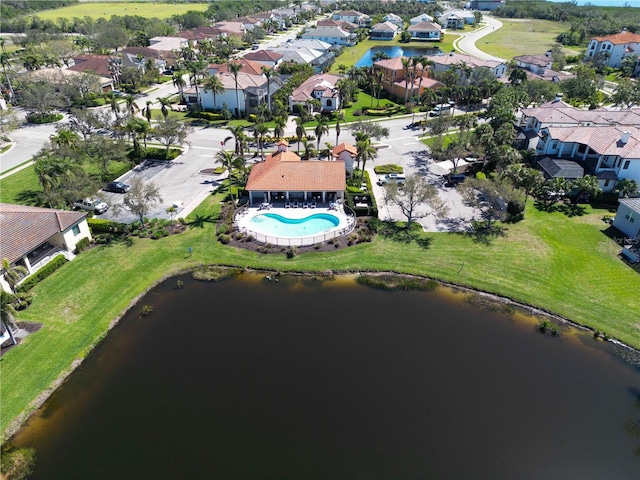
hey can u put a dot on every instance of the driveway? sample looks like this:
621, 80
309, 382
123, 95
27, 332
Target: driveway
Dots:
466, 43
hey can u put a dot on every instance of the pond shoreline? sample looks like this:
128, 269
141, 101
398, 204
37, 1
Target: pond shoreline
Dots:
492, 299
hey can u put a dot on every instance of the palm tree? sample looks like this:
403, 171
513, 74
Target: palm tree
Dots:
340, 116
308, 149
7, 312
178, 81
268, 73
300, 131
214, 85
13, 274
5, 60
321, 129
51, 170
65, 137
132, 106
196, 68
280, 124
234, 70
406, 62
228, 160
143, 129
366, 150
147, 111
237, 131
164, 102
115, 108
261, 131
415, 61
586, 185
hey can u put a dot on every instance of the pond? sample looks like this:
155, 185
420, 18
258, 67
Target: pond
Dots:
307, 379
394, 51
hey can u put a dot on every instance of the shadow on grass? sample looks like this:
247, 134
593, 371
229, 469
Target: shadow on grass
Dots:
569, 209
30, 197
486, 235
200, 220
399, 233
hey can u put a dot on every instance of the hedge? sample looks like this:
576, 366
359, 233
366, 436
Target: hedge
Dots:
99, 225
388, 168
43, 273
162, 154
39, 118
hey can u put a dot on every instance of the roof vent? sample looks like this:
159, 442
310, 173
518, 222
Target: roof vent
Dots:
625, 137
558, 97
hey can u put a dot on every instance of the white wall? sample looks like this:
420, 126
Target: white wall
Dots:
228, 97
630, 228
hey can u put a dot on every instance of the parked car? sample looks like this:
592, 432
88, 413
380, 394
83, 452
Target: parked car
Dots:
92, 205
454, 179
439, 110
116, 187
255, 46
392, 178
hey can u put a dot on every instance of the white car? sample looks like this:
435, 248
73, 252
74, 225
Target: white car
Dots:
92, 205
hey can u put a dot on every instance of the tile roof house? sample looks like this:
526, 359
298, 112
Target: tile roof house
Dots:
267, 58
321, 87
425, 31
346, 153
318, 59
283, 173
538, 67
383, 31
333, 35
32, 236
616, 47
346, 26
456, 18
352, 16
97, 64
167, 44
302, 43
138, 57
454, 59
610, 152
395, 19
560, 114
421, 18
202, 33
58, 76
395, 82
246, 66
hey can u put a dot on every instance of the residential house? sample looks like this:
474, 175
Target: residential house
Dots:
139, 57
284, 175
251, 92
196, 35
246, 66
268, 58
232, 28
615, 48
560, 114
611, 153
101, 65
384, 31
346, 153
167, 44
32, 236
538, 67
396, 83
627, 218
249, 22
425, 31
85, 81
423, 17
320, 87
319, 60
454, 60
352, 16
312, 44
333, 35
343, 24
456, 19
395, 19
486, 4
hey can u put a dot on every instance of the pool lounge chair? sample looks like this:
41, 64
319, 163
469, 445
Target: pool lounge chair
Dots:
305, 205
295, 204
312, 205
287, 204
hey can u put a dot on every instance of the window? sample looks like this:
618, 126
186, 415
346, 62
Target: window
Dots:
329, 104
629, 216
626, 164
606, 183
76, 230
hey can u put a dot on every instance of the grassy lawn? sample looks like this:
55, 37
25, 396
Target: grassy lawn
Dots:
563, 264
431, 141
351, 55
107, 9
523, 36
21, 187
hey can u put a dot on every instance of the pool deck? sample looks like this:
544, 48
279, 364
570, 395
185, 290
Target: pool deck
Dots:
243, 218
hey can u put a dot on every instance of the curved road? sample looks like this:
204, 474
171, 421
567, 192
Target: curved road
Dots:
466, 43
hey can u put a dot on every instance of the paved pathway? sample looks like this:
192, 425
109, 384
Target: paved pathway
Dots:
466, 43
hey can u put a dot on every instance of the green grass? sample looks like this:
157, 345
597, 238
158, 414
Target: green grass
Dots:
563, 264
431, 141
21, 187
107, 9
351, 55
523, 36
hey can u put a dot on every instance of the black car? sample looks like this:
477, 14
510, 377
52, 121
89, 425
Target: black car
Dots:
117, 187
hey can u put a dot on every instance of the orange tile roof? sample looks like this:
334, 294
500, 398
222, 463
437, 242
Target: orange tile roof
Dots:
338, 149
284, 171
620, 38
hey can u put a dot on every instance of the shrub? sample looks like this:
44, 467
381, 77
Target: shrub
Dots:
82, 245
388, 168
39, 118
43, 273
99, 225
213, 273
292, 252
224, 239
162, 154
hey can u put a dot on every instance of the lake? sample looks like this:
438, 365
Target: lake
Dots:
307, 379
394, 51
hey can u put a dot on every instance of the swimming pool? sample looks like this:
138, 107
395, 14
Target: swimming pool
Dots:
279, 226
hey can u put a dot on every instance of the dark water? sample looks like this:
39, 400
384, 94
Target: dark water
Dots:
394, 51
250, 379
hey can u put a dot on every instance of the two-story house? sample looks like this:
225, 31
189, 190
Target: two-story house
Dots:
616, 47
320, 87
397, 82
352, 16
456, 60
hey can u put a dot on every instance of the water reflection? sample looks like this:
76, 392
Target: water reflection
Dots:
302, 378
